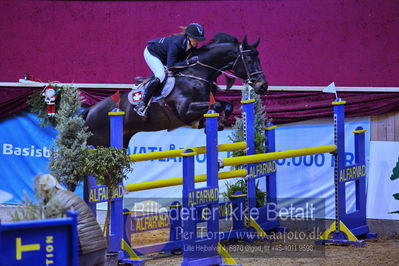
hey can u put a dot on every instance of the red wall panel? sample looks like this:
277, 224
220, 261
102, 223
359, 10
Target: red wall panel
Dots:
303, 42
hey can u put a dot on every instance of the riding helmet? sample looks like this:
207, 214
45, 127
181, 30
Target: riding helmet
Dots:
195, 31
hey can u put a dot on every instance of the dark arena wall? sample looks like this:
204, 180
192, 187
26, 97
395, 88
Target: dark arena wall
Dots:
305, 42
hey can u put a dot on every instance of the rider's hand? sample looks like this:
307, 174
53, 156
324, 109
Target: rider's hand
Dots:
192, 60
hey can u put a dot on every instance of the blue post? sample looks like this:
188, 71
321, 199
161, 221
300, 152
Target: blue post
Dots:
360, 159
238, 203
188, 216
127, 227
212, 168
339, 141
348, 225
89, 183
270, 146
248, 117
116, 137
358, 222
176, 229
201, 250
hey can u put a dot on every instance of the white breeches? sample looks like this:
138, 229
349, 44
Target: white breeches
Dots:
155, 65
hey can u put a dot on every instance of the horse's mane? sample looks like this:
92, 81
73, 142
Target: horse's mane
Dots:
219, 38
222, 37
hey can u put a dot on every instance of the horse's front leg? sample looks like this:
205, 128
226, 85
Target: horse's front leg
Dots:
226, 107
228, 110
196, 110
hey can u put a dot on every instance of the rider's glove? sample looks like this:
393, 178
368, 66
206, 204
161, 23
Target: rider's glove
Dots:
192, 60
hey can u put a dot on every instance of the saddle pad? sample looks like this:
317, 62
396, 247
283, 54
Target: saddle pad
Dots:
136, 94
166, 89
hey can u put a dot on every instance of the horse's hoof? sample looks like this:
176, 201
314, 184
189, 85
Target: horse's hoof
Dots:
221, 124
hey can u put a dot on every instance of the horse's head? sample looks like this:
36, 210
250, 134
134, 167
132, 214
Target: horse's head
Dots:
247, 66
225, 52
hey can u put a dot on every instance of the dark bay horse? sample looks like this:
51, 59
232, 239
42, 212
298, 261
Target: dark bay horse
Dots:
189, 99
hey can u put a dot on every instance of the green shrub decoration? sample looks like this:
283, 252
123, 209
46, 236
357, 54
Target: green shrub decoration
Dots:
110, 166
239, 186
70, 149
395, 175
238, 136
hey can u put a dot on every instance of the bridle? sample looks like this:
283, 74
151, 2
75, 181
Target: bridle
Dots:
241, 55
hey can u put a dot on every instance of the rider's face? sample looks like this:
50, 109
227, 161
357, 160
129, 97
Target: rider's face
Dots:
193, 42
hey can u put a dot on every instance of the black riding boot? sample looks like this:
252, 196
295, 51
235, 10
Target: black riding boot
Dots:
147, 94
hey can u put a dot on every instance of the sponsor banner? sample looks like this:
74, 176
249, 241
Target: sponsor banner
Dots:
380, 202
352, 173
149, 222
25, 150
24, 154
100, 193
203, 196
263, 169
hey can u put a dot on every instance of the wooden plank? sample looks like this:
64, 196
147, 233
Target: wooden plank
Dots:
390, 126
396, 126
374, 127
378, 128
385, 127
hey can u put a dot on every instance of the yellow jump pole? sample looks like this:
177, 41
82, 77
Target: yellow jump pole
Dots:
277, 155
179, 180
177, 153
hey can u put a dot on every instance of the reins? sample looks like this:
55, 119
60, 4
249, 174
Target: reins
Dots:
231, 75
195, 77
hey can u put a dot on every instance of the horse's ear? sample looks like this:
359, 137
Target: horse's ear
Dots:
256, 43
245, 41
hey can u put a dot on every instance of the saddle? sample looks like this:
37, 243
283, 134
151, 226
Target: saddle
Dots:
165, 88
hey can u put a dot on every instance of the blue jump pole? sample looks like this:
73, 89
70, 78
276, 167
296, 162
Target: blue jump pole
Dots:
116, 138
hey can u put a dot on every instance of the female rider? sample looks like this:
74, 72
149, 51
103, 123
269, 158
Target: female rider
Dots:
169, 51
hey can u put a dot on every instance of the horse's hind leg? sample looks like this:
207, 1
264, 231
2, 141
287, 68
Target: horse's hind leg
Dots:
126, 140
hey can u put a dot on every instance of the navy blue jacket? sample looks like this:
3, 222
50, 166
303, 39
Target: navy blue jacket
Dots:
170, 50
